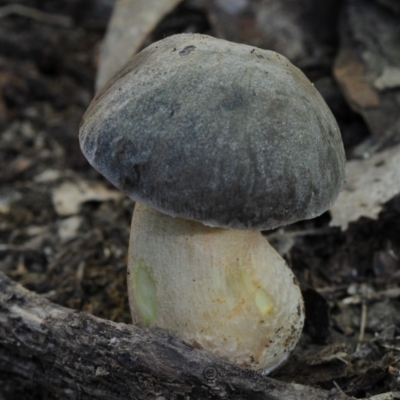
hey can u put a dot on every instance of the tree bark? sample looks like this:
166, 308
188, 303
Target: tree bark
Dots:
79, 356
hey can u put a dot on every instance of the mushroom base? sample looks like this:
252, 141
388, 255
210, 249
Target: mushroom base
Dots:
225, 291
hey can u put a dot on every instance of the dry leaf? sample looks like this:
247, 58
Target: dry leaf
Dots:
69, 197
367, 66
47, 176
370, 183
68, 228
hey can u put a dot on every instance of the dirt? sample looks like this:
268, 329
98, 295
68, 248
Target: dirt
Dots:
350, 280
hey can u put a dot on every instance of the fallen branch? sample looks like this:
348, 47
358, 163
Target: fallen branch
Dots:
36, 15
77, 355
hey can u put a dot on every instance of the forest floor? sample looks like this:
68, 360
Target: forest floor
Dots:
64, 229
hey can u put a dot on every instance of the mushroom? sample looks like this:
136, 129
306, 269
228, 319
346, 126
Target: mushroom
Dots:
215, 141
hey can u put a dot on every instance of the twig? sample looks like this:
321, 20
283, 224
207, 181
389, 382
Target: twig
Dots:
340, 394
390, 293
37, 15
362, 324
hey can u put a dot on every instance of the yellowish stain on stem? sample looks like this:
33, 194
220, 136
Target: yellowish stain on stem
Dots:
145, 294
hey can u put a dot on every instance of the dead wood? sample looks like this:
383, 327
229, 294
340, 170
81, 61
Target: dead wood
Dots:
80, 356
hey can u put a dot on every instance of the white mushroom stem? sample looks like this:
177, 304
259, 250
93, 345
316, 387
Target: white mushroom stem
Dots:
225, 291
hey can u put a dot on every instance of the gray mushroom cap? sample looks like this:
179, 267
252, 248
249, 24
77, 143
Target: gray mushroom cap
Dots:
218, 132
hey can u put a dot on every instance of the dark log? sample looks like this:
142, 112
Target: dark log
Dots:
79, 356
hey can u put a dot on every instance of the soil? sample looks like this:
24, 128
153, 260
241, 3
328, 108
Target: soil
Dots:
350, 280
